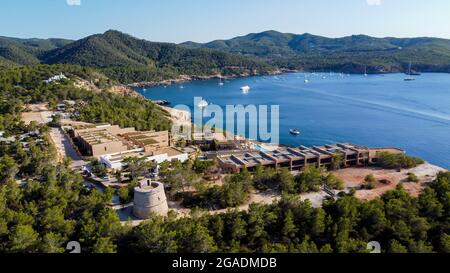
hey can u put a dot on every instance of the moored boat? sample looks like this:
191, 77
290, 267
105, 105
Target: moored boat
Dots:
203, 104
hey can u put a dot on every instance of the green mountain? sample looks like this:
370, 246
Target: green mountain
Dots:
350, 54
15, 51
128, 59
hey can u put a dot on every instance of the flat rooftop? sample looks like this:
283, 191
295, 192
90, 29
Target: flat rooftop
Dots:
145, 138
287, 154
98, 137
120, 157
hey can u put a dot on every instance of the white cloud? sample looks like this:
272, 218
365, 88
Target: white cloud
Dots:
374, 2
73, 2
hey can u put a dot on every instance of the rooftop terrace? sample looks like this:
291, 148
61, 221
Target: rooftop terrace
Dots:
298, 156
98, 137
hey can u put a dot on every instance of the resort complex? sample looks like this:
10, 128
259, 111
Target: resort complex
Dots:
302, 157
194, 143
112, 144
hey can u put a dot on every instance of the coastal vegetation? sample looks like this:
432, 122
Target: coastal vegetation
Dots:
52, 207
236, 189
44, 204
397, 161
413, 178
23, 85
369, 182
400, 223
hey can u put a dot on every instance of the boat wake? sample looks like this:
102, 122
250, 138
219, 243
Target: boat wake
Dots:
436, 117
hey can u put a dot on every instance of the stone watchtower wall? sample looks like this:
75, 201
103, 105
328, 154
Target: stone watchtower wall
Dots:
150, 198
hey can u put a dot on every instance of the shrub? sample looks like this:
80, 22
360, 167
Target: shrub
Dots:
397, 161
369, 182
334, 182
413, 178
310, 180
124, 195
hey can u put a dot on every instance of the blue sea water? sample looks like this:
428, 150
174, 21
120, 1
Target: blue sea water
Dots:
374, 111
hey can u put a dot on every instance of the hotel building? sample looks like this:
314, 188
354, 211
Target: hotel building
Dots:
301, 157
112, 144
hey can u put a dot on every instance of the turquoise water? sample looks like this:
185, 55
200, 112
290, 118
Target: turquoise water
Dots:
375, 111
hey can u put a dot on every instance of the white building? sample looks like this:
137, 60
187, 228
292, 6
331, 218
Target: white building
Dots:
115, 161
56, 78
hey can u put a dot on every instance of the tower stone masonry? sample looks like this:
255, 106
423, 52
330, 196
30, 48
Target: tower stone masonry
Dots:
150, 199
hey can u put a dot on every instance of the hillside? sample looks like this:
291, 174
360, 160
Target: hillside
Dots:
128, 59
15, 51
350, 54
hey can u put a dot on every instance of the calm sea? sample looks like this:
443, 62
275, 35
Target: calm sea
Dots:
375, 111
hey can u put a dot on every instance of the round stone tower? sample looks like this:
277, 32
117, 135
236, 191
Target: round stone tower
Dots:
149, 198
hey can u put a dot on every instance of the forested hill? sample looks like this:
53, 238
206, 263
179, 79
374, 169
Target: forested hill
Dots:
15, 51
349, 54
128, 59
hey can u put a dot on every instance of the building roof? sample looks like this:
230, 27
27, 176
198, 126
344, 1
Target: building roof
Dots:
96, 137
169, 151
287, 154
145, 138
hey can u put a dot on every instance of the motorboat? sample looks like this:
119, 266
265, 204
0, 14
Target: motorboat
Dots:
295, 132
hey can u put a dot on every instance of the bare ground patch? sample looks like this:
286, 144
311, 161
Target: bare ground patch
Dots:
354, 178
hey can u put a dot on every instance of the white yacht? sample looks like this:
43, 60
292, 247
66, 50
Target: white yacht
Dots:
245, 89
203, 104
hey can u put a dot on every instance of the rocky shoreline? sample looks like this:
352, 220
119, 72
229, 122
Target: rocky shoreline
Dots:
186, 78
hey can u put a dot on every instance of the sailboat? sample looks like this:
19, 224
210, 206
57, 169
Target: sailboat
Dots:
408, 79
203, 104
221, 82
365, 71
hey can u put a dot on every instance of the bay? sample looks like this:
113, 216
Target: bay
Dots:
374, 111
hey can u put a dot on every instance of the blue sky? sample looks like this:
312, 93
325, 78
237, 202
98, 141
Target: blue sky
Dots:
206, 20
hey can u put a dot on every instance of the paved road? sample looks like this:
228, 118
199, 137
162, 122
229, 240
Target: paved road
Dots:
65, 148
